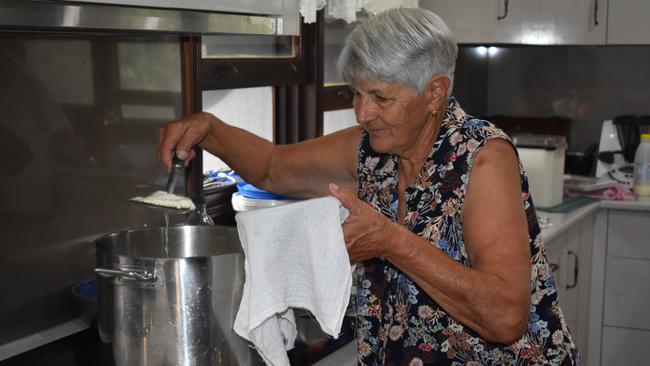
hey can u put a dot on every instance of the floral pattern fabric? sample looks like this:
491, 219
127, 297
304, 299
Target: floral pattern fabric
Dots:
399, 324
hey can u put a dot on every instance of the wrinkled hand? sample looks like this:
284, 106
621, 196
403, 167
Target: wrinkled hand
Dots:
181, 135
368, 233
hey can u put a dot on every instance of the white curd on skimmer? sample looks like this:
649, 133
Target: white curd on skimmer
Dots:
164, 199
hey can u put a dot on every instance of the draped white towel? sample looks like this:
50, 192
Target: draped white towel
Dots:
295, 258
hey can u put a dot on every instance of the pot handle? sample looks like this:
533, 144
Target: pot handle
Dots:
123, 274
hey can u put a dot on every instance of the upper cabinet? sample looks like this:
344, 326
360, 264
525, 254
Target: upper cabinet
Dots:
267, 7
561, 22
472, 21
284, 14
552, 22
153, 3
628, 22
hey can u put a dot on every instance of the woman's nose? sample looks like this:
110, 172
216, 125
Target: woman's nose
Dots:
363, 110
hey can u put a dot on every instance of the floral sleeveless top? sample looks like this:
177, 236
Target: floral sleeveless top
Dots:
399, 324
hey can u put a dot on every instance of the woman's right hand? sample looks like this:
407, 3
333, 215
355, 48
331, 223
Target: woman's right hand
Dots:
181, 135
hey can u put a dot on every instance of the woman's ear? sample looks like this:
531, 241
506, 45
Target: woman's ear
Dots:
437, 90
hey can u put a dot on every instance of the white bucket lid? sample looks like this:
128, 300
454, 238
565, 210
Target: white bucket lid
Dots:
241, 203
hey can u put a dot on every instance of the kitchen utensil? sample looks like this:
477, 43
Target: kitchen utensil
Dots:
163, 209
169, 296
175, 170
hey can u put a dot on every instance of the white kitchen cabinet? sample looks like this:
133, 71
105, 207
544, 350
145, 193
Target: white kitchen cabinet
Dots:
628, 22
570, 257
623, 346
619, 323
472, 21
627, 293
562, 22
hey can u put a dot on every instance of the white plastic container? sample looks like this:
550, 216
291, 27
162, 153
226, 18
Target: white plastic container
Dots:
543, 159
249, 197
642, 167
241, 203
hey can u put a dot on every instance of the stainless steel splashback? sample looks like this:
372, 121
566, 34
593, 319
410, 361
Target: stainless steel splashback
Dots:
81, 16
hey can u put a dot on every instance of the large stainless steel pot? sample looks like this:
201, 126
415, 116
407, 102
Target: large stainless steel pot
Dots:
169, 296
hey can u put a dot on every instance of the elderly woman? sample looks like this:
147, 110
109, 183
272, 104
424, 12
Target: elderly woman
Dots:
452, 268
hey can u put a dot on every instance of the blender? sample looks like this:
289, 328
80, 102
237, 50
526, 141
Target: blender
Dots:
619, 139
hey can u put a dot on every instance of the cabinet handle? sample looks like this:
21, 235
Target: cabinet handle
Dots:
505, 10
596, 13
575, 269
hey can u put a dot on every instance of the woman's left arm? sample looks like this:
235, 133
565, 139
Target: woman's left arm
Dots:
493, 295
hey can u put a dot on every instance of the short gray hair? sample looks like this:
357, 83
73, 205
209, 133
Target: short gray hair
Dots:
403, 45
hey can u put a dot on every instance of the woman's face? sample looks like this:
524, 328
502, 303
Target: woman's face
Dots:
393, 115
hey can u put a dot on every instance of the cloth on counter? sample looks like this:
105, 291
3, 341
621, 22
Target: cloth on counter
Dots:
616, 192
295, 258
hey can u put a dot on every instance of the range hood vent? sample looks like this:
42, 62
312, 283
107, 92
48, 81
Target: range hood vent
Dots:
73, 16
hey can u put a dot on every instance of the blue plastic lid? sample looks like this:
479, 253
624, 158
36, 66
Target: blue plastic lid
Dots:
250, 191
86, 290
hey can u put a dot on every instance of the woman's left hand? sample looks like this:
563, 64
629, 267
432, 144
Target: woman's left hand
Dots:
367, 233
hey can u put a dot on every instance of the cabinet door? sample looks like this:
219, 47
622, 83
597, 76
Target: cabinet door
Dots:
628, 234
567, 22
628, 22
625, 346
557, 259
627, 293
563, 22
518, 21
570, 286
472, 21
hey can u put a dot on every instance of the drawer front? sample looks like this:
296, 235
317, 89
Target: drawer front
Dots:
627, 293
622, 346
628, 234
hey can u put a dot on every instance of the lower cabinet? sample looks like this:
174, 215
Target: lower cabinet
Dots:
625, 346
619, 324
570, 257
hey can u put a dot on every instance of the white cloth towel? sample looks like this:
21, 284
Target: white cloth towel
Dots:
295, 258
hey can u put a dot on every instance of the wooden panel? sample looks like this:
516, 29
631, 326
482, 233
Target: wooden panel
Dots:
240, 73
629, 234
336, 97
627, 293
625, 347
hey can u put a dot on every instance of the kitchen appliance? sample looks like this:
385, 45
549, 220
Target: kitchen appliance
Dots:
542, 157
169, 296
619, 139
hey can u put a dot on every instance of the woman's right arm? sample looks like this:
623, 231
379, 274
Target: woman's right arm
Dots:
301, 170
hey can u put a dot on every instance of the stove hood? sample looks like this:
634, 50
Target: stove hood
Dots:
185, 17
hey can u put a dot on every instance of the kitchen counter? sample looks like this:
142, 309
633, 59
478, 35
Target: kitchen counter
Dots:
555, 224
643, 204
